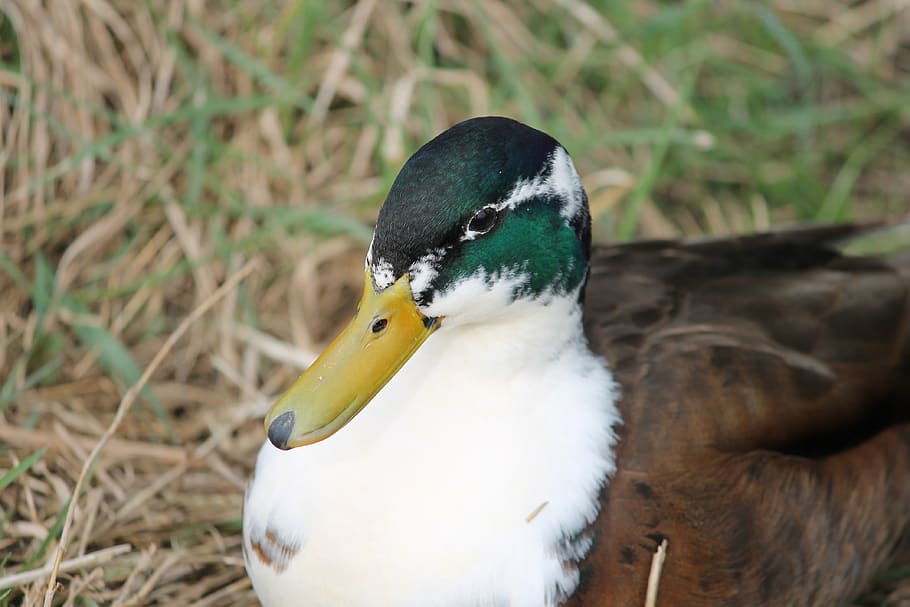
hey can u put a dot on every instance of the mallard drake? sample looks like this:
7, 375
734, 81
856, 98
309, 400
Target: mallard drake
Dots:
513, 419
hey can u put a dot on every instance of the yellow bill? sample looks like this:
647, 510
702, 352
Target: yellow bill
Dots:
386, 331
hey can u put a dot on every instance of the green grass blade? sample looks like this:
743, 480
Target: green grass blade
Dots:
18, 470
9, 393
115, 359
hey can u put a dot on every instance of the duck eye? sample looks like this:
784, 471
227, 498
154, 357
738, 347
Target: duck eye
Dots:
483, 220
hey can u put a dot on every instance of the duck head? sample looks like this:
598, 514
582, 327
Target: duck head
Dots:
489, 213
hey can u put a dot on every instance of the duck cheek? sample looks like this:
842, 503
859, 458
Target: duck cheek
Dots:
477, 298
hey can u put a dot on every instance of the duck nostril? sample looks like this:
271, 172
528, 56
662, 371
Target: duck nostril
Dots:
379, 325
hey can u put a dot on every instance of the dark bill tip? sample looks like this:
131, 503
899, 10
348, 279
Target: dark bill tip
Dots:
280, 429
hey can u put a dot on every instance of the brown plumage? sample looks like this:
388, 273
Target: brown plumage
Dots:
766, 399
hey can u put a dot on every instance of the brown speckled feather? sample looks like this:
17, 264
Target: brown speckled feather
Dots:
766, 399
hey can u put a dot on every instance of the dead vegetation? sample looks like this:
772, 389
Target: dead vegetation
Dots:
153, 150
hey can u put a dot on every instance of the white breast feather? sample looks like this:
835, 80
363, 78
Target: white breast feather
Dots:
423, 499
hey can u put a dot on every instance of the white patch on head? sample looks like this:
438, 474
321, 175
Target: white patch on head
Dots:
383, 275
369, 259
524, 190
382, 272
424, 270
565, 183
424, 497
479, 297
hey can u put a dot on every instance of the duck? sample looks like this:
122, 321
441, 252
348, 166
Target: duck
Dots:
516, 418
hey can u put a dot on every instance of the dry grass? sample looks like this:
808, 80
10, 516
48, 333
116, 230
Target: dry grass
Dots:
151, 150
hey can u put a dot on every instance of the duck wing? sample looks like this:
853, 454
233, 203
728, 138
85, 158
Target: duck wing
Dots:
766, 398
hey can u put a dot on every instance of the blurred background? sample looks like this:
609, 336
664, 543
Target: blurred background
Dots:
152, 149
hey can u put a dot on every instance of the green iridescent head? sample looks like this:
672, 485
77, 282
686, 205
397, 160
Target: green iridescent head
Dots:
489, 202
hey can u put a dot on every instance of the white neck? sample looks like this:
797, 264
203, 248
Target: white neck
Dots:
462, 483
